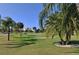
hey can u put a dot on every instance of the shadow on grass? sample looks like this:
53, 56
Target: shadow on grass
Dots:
73, 42
20, 43
23, 37
26, 37
31, 40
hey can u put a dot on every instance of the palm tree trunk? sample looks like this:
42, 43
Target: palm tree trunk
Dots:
8, 34
62, 41
67, 39
68, 36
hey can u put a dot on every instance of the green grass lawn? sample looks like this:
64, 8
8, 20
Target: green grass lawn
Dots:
32, 44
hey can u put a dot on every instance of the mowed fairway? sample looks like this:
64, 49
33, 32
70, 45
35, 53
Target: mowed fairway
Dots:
32, 44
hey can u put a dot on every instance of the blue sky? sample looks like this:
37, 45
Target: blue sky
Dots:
26, 13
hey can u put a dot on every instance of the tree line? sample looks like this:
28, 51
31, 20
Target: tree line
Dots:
8, 25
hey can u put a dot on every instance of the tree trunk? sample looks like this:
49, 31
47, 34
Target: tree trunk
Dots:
68, 36
8, 34
62, 41
67, 39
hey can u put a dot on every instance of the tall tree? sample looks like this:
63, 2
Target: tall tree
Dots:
8, 23
65, 20
54, 26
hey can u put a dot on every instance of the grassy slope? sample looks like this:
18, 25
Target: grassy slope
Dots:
32, 44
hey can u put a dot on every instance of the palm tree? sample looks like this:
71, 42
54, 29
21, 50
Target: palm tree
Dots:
62, 21
54, 26
8, 23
